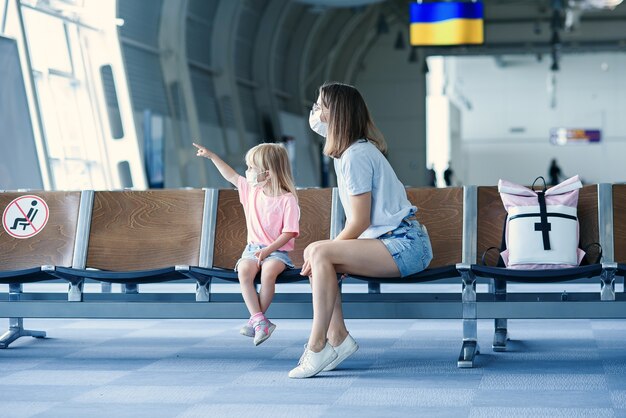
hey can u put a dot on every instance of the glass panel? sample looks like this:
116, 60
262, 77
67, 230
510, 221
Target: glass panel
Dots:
47, 41
3, 4
71, 174
71, 128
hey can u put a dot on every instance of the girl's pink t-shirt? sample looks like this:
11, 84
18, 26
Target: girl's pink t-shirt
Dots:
268, 216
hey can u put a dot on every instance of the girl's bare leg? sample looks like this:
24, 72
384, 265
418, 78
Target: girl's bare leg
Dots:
269, 271
247, 271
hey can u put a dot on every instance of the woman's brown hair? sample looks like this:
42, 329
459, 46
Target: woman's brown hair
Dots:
348, 119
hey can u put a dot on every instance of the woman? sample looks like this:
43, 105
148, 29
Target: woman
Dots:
381, 238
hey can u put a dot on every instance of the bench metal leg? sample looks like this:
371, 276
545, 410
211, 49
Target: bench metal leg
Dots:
469, 349
470, 346
203, 291
203, 286
373, 288
16, 325
16, 330
500, 335
131, 289
607, 289
75, 292
105, 287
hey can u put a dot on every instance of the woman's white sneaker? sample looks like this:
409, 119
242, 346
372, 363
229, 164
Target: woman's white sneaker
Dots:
312, 363
343, 350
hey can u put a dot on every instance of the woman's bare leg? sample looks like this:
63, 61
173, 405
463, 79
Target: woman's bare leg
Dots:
324, 289
367, 257
337, 331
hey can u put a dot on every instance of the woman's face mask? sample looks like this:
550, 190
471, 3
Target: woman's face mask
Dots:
315, 121
252, 176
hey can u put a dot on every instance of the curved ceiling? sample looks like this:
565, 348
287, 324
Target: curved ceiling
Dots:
339, 3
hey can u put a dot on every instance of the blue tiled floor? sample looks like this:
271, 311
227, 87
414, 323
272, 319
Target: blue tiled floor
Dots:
403, 368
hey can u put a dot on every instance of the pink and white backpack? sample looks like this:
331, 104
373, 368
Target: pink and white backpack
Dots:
542, 229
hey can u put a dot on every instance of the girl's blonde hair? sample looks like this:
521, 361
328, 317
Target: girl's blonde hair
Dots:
273, 158
349, 119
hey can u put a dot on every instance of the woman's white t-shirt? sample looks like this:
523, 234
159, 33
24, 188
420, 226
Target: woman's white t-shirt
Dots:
362, 168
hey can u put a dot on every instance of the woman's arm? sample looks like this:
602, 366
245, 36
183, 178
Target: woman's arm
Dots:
361, 216
225, 170
280, 241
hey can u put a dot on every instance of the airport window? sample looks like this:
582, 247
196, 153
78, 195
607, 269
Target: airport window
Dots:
65, 101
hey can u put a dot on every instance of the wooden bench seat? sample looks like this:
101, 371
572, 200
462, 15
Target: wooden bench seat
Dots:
140, 237
490, 221
441, 211
21, 260
230, 234
28, 260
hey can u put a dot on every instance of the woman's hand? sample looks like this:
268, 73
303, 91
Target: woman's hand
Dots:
306, 265
203, 152
306, 268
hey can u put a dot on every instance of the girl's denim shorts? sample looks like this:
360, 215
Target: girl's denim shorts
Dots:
409, 245
248, 254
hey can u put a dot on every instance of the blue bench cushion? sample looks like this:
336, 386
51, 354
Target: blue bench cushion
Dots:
287, 276
29, 275
538, 276
125, 277
421, 277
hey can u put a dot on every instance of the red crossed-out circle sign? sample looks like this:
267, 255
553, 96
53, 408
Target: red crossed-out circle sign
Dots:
25, 216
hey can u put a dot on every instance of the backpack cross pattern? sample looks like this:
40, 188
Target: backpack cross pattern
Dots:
541, 230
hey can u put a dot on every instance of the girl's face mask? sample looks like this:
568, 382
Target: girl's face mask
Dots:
252, 176
315, 121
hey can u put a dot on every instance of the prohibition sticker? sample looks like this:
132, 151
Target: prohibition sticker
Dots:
25, 216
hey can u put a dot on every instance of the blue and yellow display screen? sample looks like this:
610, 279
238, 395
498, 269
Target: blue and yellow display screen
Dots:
449, 23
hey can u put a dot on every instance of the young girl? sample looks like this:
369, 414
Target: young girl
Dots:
381, 237
268, 196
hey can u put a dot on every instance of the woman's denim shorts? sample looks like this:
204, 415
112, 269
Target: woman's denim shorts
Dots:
248, 254
410, 247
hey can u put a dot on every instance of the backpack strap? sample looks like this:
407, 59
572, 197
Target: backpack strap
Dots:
543, 225
586, 250
500, 262
482, 259
544, 183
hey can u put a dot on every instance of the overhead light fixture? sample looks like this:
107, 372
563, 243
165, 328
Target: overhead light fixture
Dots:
400, 43
575, 8
601, 4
